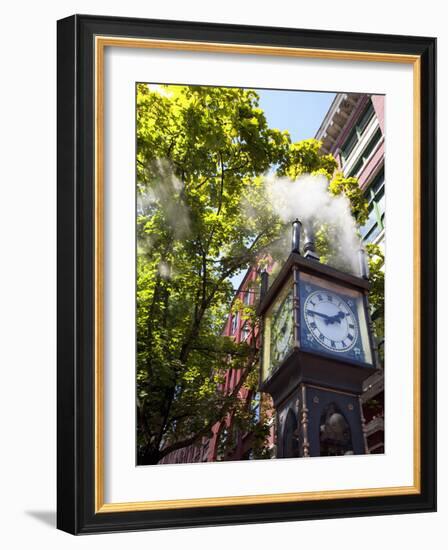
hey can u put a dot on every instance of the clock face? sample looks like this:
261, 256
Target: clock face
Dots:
282, 331
331, 321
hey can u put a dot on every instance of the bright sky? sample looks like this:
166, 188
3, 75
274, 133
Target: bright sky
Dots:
299, 112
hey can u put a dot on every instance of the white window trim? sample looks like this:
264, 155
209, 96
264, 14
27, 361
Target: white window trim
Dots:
354, 156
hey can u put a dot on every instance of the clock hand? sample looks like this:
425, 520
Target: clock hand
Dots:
338, 317
326, 317
329, 320
341, 315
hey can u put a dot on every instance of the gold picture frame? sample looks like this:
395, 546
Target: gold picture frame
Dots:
83, 40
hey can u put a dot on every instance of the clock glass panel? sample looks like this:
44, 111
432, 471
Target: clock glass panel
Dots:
282, 324
278, 331
333, 320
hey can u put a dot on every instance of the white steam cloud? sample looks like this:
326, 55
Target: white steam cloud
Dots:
165, 195
308, 200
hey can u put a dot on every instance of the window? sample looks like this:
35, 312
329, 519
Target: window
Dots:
223, 442
366, 118
234, 323
245, 332
247, 295
230, 380
376, 197
255, 406
357, 132
364, 156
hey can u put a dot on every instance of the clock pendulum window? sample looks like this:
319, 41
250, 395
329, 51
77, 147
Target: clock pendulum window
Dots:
317, 349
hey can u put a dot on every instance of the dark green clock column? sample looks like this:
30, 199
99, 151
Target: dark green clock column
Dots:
317, 350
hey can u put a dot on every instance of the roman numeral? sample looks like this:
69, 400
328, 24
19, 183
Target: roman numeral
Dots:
333, 344
320, 297
313, 325
312, 303
350, 337
329, 297
350, 325
321, 337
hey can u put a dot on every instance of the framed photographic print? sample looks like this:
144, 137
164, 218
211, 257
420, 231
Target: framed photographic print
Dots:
246, 274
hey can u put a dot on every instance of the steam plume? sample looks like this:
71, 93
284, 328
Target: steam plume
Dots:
308, 199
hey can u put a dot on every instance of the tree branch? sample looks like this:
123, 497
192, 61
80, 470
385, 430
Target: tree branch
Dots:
216, 417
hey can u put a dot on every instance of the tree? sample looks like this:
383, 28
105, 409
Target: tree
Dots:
202, 218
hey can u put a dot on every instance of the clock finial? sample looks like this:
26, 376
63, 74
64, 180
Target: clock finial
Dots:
309, 247
296, 227
363, 265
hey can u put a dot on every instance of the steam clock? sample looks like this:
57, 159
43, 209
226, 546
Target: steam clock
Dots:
317, 350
